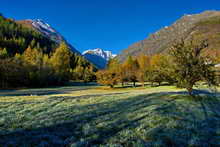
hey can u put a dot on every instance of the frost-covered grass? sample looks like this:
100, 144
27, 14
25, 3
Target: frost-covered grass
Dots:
78, 116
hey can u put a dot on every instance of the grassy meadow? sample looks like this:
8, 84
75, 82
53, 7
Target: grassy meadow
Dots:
98, 116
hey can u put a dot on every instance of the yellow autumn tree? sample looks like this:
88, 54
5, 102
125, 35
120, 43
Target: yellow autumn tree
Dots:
144, 66
60, 61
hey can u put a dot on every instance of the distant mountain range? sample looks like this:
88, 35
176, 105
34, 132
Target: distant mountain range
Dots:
98, 57
205, 25
44, 28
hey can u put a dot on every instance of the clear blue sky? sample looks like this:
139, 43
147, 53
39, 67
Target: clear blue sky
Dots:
108, 24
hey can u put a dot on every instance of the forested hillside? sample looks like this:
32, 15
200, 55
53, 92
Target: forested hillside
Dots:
16, 38
29, 59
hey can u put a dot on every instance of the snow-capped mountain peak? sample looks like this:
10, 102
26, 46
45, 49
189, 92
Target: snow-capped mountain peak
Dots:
39, 23
47, 30
107, 55
98, 57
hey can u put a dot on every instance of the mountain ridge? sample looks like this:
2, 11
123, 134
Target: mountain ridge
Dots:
160, 41
46, 30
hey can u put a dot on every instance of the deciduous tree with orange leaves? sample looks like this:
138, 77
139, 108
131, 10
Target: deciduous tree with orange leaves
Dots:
109, 76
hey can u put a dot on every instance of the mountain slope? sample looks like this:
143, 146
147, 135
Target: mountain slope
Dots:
205, 25
15, 38
46, 30
98, 57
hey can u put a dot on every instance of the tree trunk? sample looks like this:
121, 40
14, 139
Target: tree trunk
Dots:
122, 84
190, 90
143, 84
111, 86
152, 84
134, 84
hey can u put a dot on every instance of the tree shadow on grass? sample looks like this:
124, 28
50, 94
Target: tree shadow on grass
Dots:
97, 123
192, 127
57, 134
41, 91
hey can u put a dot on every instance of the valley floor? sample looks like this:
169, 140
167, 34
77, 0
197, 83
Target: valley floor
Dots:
92, 115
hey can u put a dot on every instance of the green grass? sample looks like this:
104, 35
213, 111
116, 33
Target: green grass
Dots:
84, 116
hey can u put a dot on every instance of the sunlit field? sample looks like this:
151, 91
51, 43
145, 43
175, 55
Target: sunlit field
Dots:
95, 115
